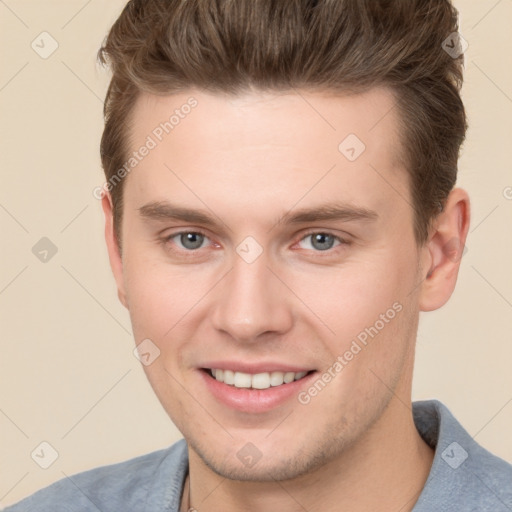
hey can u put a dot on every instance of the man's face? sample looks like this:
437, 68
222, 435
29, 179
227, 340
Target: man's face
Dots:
265, 286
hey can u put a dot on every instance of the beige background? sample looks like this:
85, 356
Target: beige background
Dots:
68, 373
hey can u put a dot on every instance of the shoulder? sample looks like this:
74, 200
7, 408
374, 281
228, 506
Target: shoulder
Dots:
464, 475
122, 486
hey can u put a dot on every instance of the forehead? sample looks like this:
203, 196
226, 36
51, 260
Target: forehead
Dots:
220, 117
266, 148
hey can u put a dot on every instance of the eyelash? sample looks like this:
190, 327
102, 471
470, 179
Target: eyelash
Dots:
166, 241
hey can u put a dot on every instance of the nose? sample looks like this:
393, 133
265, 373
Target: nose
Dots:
251, 302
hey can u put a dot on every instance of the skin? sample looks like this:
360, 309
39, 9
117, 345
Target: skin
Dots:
248, 160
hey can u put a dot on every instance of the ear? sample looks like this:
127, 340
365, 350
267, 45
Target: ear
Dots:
443, 251
116, 263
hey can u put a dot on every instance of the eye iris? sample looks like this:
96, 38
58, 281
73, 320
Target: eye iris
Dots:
191, 240
322, 241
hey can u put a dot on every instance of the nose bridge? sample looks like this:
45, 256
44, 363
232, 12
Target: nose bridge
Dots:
250, 302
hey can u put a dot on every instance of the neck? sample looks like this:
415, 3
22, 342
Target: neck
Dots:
386, 470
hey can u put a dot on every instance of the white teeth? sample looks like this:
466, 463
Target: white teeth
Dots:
276, 378
288, 377
261, 381
256, 381
242, 380
229, 377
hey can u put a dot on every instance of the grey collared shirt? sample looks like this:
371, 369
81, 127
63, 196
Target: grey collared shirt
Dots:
464, 477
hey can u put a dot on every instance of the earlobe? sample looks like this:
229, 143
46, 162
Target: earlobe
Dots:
116, 263
444, 251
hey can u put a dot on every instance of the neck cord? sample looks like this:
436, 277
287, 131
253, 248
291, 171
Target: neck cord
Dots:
188, 507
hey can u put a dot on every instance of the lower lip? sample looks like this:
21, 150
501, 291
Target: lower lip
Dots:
254, 400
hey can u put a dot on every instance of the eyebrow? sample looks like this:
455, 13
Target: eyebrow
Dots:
163, 210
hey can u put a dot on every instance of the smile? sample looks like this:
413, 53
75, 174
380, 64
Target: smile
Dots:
262, 380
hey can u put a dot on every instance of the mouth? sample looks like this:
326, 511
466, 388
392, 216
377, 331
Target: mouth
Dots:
255, 387
259, 381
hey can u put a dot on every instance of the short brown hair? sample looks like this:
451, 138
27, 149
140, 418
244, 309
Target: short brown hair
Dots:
231, 46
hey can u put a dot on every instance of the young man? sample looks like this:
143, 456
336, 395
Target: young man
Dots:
280, 206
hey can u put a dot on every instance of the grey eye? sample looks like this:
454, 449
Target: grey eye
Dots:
191, 240
320, 241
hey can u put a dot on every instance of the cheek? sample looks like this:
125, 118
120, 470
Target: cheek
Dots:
352, 297
156, 298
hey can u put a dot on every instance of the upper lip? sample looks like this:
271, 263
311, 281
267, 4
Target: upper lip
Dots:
254, 368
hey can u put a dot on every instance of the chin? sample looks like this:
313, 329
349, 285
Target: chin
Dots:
261, 467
